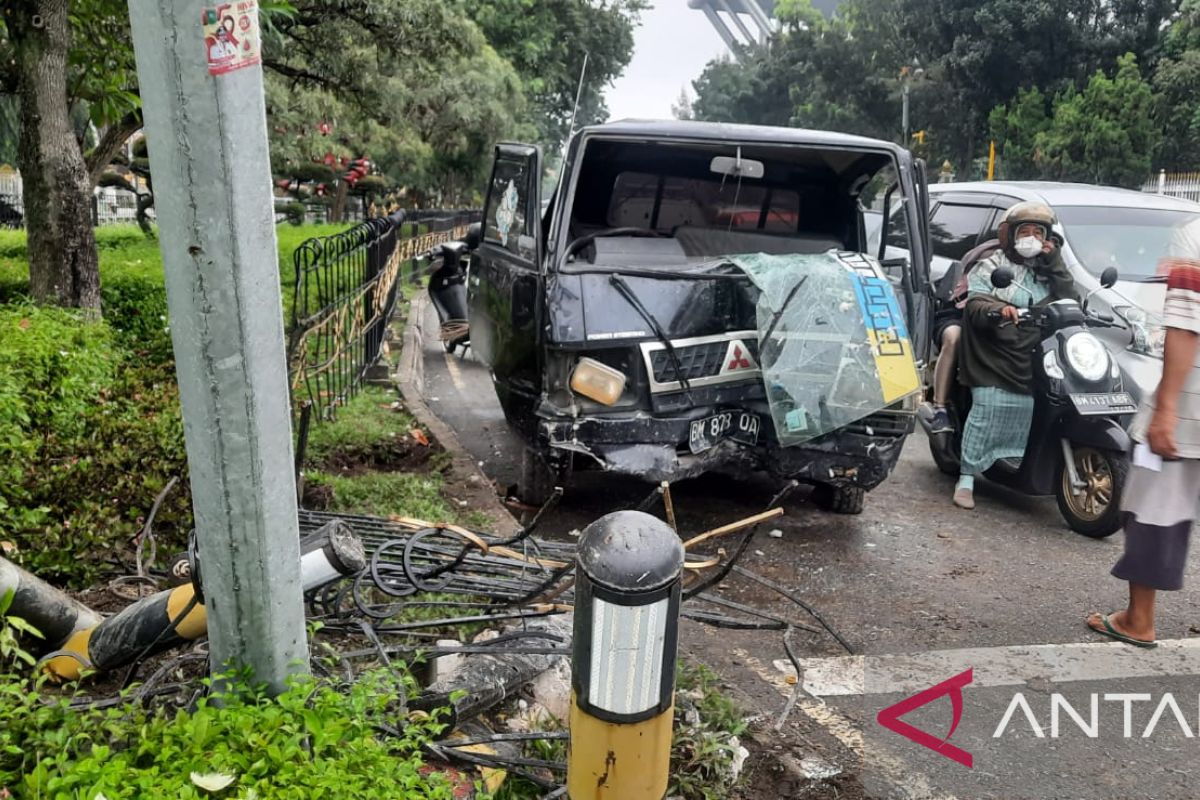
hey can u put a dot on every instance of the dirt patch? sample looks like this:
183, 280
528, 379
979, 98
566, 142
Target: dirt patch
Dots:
767, 776
400, 453
317, 496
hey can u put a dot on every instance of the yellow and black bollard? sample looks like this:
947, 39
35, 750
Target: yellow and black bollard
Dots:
623, 661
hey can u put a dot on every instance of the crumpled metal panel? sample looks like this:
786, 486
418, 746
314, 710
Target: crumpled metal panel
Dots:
833, 344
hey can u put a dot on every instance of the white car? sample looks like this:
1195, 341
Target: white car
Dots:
1103, 227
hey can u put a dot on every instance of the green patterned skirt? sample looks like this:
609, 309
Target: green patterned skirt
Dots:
998, 427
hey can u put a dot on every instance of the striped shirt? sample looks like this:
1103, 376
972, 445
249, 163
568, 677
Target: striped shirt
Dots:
1181, 310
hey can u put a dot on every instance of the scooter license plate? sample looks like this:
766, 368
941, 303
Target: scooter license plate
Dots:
1117, 403
741, 426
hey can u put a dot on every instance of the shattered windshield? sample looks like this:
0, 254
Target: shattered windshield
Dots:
833, 344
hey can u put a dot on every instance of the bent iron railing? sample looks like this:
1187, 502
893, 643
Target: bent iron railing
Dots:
345, 291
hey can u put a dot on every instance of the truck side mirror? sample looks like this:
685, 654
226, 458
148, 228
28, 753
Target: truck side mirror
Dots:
473, 236
1109, 277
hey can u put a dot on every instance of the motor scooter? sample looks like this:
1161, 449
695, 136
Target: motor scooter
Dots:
1077, 449
448, 287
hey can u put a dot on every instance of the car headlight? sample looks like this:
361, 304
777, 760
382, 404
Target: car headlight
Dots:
1087, 356
597, 381
1149, 334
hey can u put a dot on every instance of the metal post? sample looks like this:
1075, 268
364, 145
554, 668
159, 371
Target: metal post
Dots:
206, 126
623, 660
904, 114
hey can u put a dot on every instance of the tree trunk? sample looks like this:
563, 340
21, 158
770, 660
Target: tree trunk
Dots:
63, 264
111, 142
339, 202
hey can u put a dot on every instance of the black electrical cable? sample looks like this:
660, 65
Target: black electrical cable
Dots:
812, 611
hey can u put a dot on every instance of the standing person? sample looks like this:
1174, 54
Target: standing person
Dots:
995, 358
1164, 482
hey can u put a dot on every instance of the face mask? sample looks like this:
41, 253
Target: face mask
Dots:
1028, 246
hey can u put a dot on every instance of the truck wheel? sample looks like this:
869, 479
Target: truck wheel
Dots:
1095, 511
537, 481
839, 499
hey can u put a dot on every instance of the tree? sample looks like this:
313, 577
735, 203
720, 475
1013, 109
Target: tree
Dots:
1175, 80
1015, 127
1103, 134
682, 107
63, 263
546, 43
410, 83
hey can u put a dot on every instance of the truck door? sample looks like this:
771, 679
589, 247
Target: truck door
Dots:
504, 288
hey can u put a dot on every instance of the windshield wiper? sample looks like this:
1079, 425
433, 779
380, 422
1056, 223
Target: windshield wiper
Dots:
783, 307
626, 291
1153, 279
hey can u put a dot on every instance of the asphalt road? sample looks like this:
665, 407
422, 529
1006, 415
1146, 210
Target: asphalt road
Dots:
1003, 591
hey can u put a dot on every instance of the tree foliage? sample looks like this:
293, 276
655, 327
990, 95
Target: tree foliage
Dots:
982, 68
546, 42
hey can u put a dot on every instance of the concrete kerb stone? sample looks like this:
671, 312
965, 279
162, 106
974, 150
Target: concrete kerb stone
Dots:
410, 379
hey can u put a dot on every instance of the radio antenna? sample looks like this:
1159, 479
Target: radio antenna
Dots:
562, 165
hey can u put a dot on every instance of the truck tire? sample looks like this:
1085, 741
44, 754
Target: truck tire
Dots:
839, 499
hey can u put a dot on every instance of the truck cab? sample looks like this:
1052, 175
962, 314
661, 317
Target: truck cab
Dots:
698, 296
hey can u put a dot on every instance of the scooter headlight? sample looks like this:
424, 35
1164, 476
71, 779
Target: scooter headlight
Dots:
1052, 367
1087, 356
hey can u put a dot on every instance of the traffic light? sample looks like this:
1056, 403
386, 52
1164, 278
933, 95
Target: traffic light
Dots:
919, 137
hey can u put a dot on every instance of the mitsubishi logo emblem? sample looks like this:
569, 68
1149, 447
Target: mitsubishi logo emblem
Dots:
739, 357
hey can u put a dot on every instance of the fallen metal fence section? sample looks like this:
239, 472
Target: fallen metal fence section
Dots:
345, 291
436, 590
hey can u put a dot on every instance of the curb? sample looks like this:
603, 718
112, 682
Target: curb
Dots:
410, 379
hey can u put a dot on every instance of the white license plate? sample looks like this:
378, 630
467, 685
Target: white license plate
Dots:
1118, 403
740, 426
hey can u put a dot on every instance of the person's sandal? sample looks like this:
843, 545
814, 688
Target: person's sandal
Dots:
964, 499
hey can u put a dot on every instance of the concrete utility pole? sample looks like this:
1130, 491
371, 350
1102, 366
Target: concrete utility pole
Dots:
202, 92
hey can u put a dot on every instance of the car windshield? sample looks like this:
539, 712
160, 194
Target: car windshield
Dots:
664, 206
1134, 240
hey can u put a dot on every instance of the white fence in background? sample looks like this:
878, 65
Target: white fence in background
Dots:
1175, 184
110, 204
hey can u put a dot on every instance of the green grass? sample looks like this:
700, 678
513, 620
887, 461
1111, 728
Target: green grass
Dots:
314, 740
367, 420
702, 754
126, 253
386, 494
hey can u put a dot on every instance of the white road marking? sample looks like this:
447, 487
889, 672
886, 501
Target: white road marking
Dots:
995, 666
455, 372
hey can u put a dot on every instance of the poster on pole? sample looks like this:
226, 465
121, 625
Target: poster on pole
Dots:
231, 36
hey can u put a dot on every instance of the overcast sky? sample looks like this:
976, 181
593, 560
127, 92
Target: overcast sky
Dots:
671, 47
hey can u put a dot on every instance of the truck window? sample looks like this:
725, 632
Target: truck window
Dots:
666, 202
505, 214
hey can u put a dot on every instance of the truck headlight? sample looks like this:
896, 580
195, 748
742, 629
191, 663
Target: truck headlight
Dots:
597, 381
1087, 356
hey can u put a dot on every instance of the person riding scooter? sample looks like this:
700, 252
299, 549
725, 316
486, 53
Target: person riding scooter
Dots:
947, 332
995, 360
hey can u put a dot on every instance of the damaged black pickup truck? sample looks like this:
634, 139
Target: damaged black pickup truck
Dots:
696, 297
